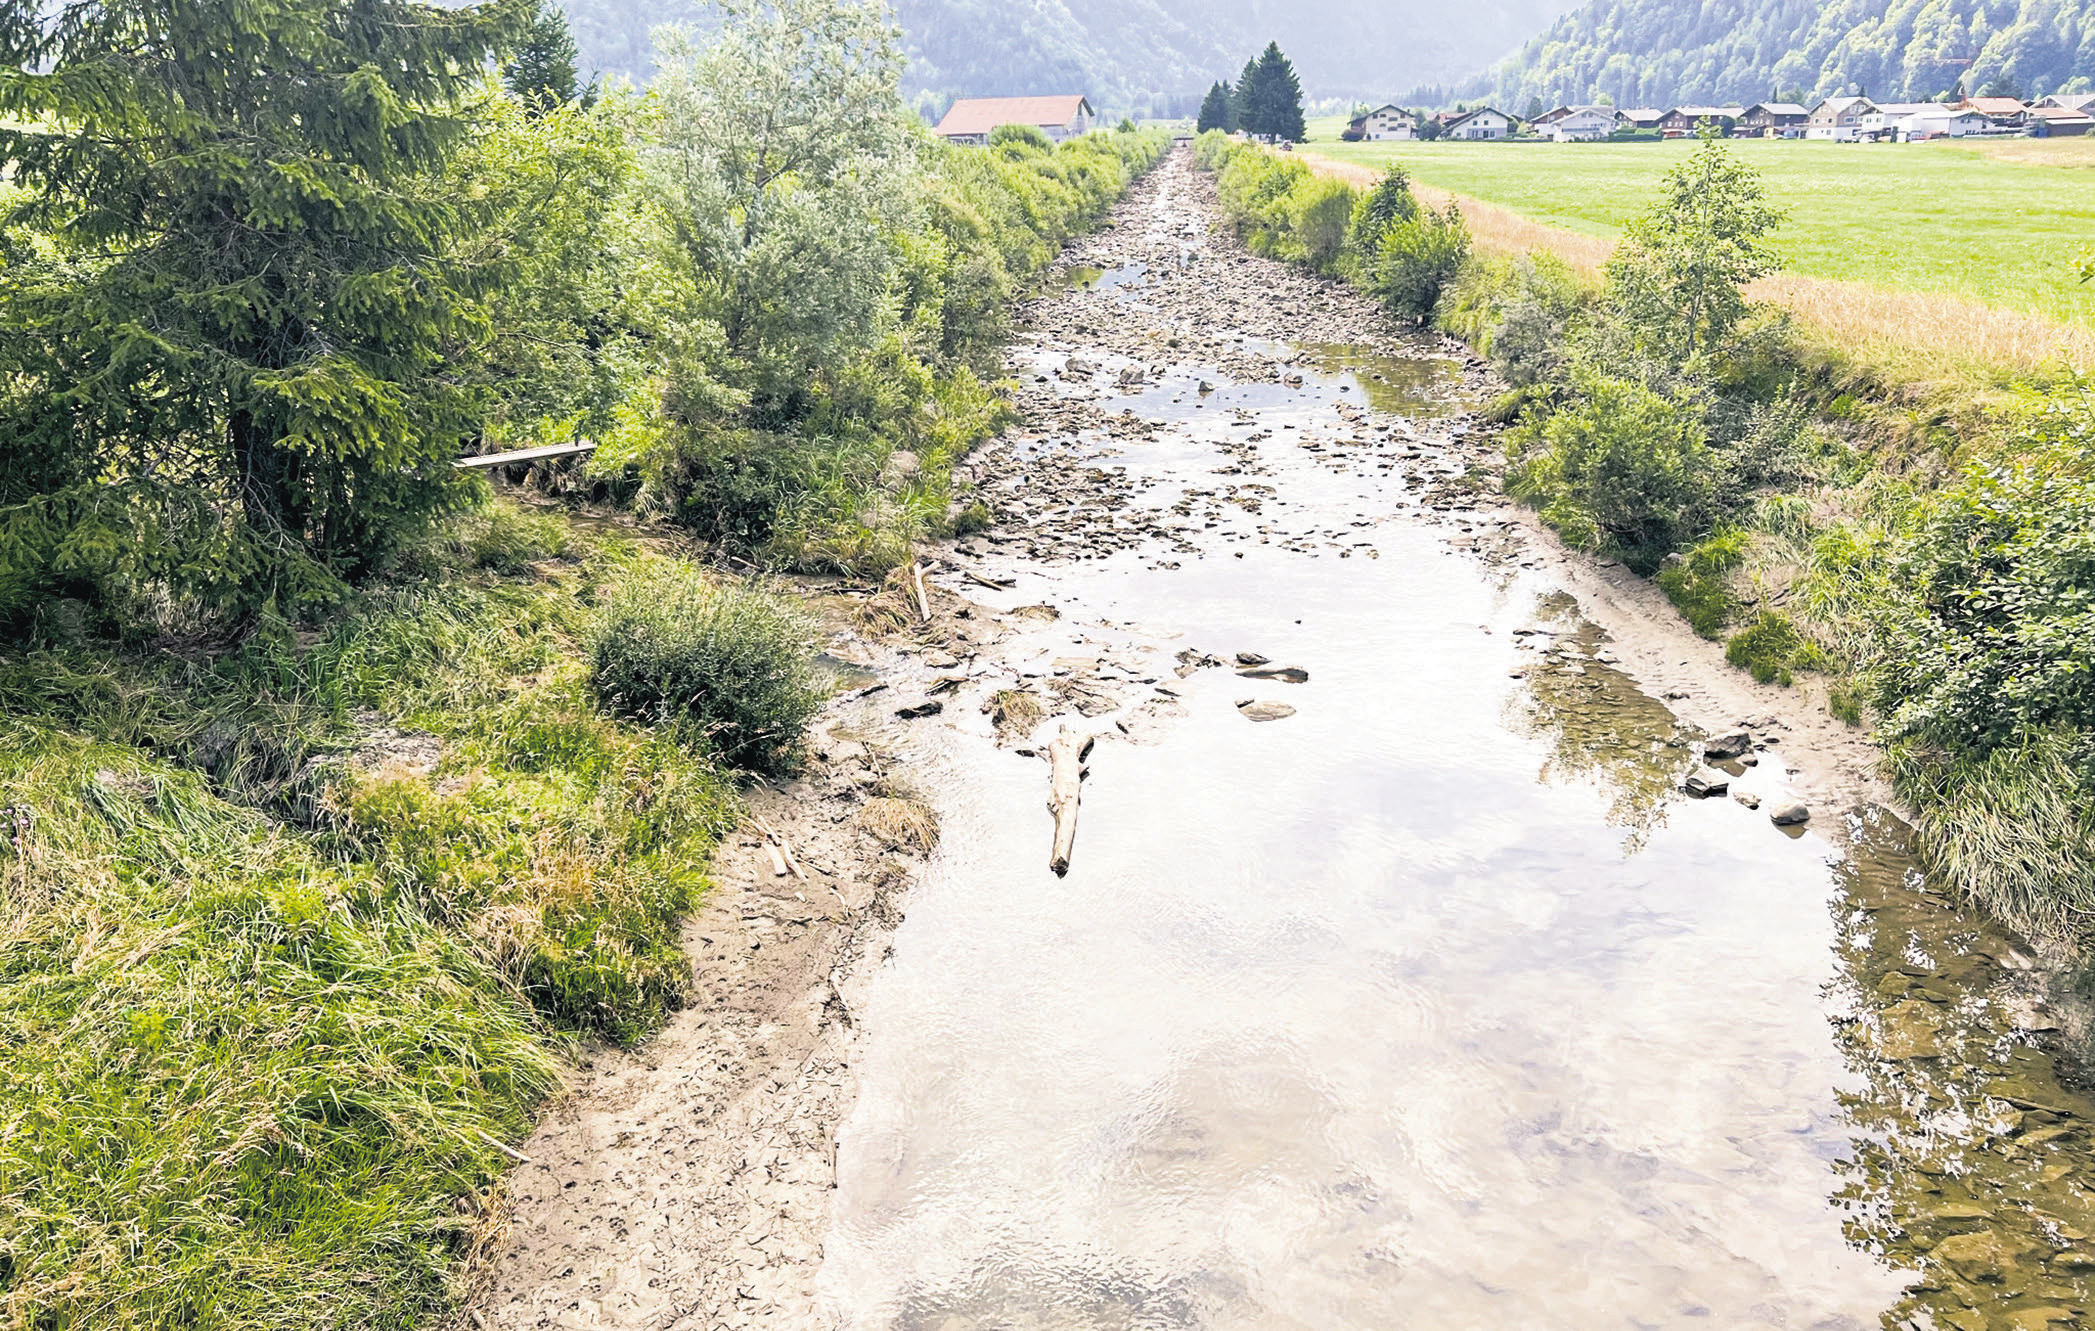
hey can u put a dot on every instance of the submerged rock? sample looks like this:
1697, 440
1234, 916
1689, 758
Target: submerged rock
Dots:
1728, 746
1265, 710
928, 707
1790, 815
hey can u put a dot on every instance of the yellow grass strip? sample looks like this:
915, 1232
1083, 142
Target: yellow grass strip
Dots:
1914, 336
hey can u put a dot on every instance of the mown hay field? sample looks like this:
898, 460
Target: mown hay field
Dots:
1998, 223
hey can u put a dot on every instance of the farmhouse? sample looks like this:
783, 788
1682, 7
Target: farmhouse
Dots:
1838, 118
1682, 120
2083, 102
1482, 123
2003, 112
1059, 117
1773, 120
2050, 122
1580, 124
1384, 122
1642, 117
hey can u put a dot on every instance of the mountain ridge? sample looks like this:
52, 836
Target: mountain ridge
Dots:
1664, 52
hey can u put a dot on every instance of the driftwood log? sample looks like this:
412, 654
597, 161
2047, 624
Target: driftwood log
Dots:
916, 573
1066, 757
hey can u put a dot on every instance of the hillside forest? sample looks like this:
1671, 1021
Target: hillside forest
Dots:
1666, 52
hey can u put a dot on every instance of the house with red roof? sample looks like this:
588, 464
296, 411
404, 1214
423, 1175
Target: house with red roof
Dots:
1062, 116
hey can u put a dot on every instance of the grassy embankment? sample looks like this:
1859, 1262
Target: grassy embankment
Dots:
1898, 514
1923, 263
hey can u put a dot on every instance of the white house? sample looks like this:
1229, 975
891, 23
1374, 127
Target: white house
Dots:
1482, 123
1838, 118
1887, 120
1937, 122
1060, 117
1388, 122
1583, 124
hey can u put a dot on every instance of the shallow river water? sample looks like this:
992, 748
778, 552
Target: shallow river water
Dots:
1435, 1004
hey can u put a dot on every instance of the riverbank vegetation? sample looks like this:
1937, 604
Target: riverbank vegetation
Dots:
341, 797
1927, 570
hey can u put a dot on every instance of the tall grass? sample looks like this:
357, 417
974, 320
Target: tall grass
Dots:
271, 994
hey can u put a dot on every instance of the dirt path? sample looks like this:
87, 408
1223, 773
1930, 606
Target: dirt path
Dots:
687, 1183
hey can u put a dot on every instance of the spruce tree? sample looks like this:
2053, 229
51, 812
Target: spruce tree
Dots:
1273, 105
243, 388
542, 73
1215, 110
1241, 104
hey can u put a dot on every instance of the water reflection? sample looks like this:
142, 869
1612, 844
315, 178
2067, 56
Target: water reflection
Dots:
1600, 726
1972, 1162
1415, 386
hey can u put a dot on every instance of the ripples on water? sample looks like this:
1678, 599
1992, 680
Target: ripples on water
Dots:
1437, 1006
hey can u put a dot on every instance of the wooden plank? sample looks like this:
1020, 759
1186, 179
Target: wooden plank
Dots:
524, 455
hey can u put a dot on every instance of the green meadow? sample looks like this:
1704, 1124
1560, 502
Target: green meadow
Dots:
2000, 223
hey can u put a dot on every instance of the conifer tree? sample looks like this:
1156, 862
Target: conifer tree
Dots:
1270, 98
542, 73
244, 380
1215, 110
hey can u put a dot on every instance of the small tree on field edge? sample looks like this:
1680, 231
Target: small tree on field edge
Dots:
1216, 111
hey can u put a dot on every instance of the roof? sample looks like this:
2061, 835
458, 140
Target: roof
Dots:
1641, 113
1778, 109
1906, 108
1840, 104
2058, 113
1709, 112
979, 115
1996, 106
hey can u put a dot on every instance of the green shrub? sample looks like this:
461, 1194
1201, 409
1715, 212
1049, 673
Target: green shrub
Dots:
735, 660
1697, 585
1318, 212
1772, 648
1619, 467
1022, 136
1418, 258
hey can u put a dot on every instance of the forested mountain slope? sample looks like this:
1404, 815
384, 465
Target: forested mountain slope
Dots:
1656, 52
1138, 55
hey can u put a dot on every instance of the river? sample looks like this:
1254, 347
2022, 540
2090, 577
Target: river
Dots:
1435, 1003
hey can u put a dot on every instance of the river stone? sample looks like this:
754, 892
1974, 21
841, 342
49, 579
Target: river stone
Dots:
1252, 659
1906, 1030
1265, 710
1704, 784
1980, 1255
928, 707
1790, 815
1728, 746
